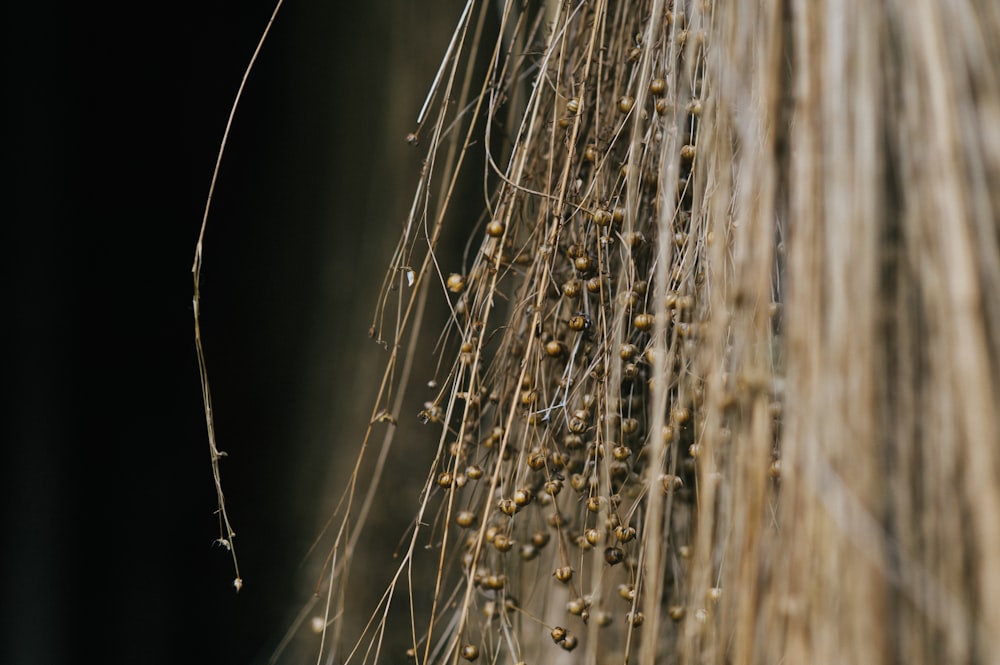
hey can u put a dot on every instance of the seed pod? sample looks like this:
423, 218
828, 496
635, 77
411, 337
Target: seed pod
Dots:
540, 539
536, 460
564, 574
523, 497
556, 520
774, 470
502, 542
583, 264
624, 533
569, 642
465, 518
643, 321
601, 217
554, 348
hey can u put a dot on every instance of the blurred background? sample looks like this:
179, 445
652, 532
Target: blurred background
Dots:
114, 125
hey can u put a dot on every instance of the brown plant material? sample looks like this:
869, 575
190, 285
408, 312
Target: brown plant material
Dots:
733, 293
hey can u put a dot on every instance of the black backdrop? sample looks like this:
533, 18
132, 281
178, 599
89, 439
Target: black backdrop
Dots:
114, 120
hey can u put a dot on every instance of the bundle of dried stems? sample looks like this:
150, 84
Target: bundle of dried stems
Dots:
720, 377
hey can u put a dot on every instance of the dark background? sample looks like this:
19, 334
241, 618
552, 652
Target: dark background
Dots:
114, 122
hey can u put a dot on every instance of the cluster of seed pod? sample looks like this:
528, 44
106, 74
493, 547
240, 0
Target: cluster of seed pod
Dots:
547, 409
